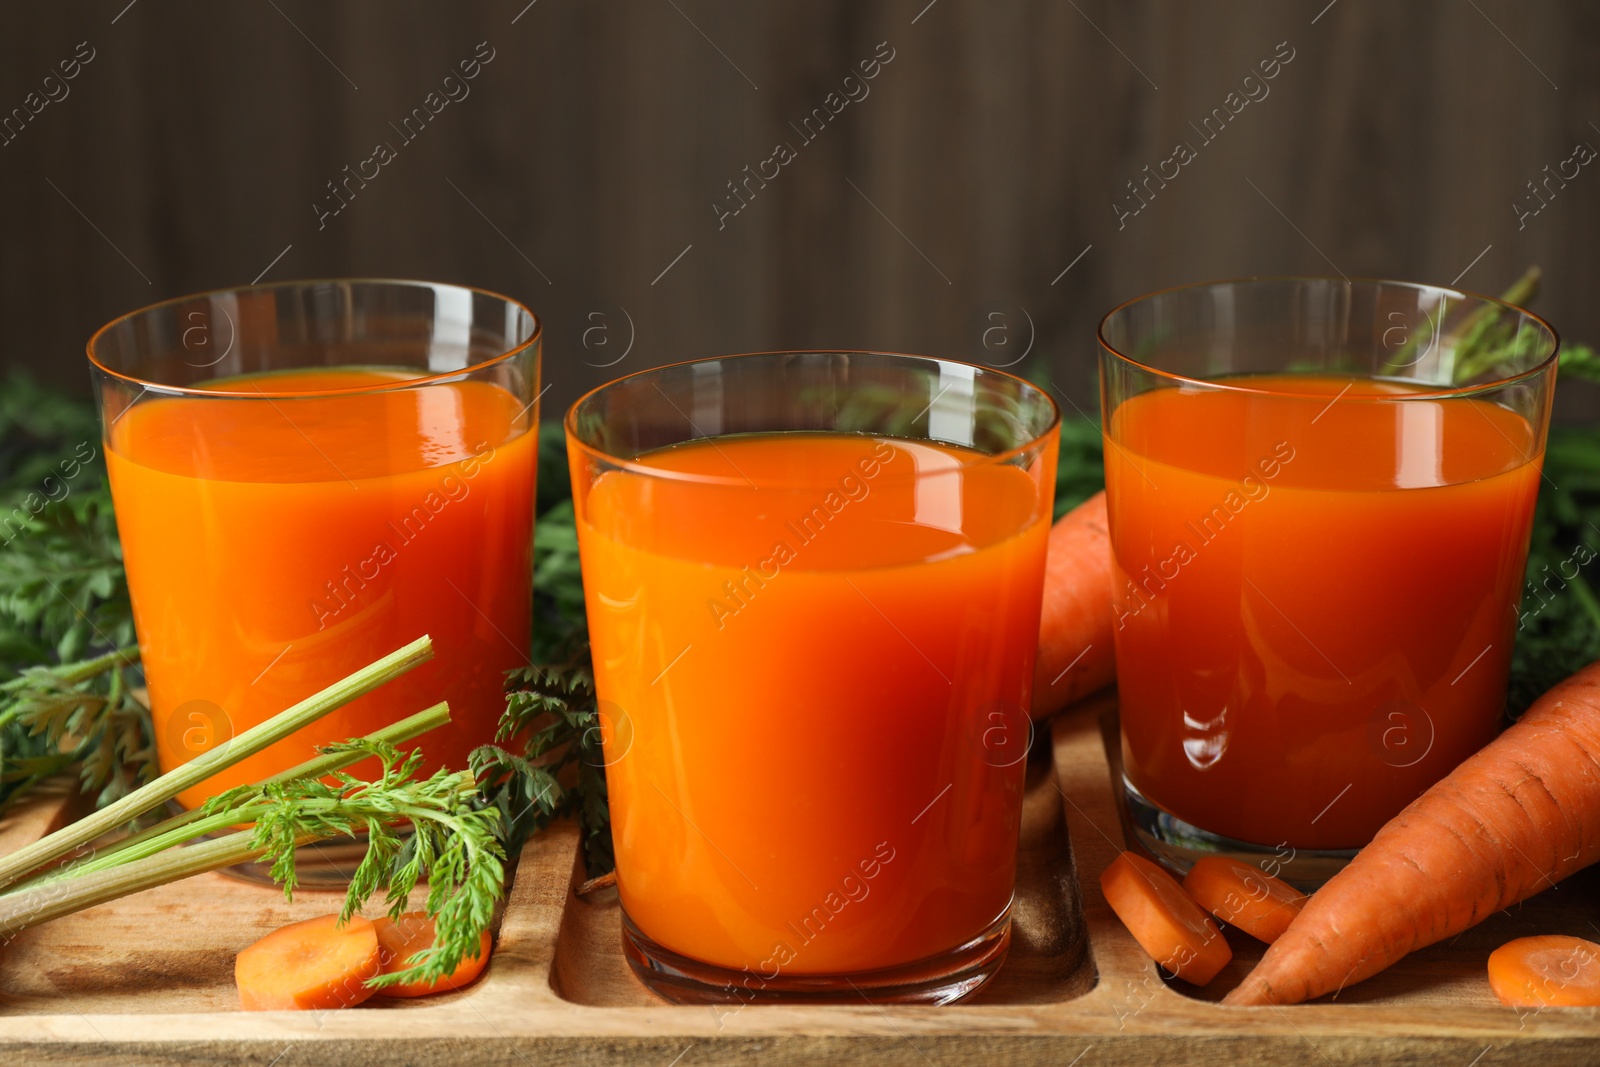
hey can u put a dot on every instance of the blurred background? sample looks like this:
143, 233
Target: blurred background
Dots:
669, 179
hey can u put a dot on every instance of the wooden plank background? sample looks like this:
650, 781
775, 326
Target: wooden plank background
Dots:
936, 214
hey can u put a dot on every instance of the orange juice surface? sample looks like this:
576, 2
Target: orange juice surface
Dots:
813, 674
274, 546
1317, 595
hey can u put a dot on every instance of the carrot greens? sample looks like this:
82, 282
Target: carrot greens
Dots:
435, 829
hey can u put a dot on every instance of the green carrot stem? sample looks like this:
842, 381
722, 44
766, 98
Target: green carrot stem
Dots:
158, 792
190, 824
115, 695
18, 911
119, 657
1524, 289
1471, 334
1479, 347
73, 673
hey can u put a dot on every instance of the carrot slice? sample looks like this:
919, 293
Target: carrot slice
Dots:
1244, 896
1167, 924
400, 939
309, 965
1546, 972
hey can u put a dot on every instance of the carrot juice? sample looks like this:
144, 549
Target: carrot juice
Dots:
275, 545
814, 652
1316, 584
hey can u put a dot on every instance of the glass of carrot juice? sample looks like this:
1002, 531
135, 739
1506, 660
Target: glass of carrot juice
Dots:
813, 583
1320, 493
307, 476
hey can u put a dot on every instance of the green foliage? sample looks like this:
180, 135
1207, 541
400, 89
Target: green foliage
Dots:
62, 589
558, 615
1579, 361
1080, 472
84, 715
555, 481
39, 429
418, 829
1559, 625
61, 586
557, 584
63, 596
547, 763
557, 770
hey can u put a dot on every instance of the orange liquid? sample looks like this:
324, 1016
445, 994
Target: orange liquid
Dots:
813, 697
273, 548
1317, 598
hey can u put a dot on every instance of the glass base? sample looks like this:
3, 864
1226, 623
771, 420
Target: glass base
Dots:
942, 979
1177, 844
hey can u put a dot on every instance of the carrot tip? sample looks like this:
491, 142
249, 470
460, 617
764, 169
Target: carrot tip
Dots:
1250, 993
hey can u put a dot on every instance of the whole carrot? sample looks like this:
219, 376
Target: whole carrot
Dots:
1075, 653
1516, 818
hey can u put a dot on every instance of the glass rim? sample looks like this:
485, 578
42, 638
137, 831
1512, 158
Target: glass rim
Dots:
1443, 393
569, 420
354, 390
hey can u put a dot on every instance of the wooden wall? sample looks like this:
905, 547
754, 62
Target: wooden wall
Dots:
582, 171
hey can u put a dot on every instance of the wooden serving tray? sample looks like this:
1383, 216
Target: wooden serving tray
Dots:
148, 979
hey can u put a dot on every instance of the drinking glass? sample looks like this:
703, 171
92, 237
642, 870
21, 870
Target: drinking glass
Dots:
813, 583
307, 476
1320, 493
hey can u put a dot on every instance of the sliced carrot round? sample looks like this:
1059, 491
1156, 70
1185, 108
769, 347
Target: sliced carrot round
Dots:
400, 939
1551, 971
1244, 896
308, 966
1167, 924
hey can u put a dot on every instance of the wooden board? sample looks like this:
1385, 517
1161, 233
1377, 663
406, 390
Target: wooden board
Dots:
148, 979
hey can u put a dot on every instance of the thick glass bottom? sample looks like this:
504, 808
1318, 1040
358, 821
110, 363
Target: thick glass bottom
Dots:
942, 979
1177, 844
